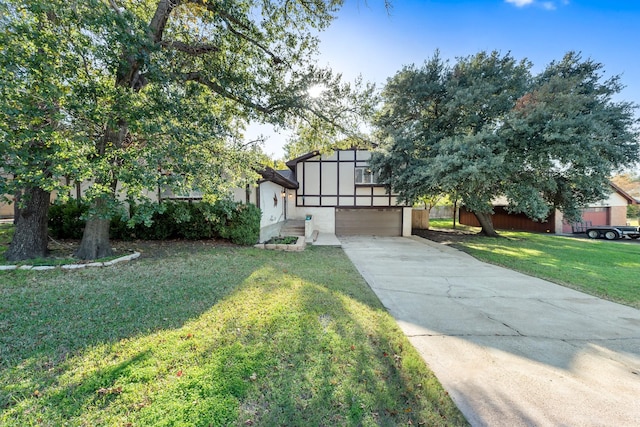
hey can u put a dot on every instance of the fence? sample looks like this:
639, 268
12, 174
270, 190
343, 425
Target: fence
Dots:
420, 216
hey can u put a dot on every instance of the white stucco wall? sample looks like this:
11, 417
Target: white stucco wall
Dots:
271, 204
406, 221
324, 219
614, 199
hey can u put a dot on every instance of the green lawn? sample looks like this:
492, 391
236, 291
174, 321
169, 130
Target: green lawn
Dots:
6, 232
598, 267
223, 336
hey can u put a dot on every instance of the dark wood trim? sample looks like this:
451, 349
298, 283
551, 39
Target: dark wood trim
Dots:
302, 196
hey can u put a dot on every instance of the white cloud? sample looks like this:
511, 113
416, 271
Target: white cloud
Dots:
547, 5
520, 3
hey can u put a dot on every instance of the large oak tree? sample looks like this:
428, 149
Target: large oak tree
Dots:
37, 142
486, 128
168, 85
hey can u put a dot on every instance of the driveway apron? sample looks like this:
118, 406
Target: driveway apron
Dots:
510, 349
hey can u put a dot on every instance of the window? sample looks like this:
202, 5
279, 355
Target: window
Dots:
365, 176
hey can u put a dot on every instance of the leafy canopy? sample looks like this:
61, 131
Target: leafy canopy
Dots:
487, 128
132, 87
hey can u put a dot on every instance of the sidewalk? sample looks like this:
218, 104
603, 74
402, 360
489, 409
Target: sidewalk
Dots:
510, 349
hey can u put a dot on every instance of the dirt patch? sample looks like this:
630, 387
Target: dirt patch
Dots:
447, 236
147, 248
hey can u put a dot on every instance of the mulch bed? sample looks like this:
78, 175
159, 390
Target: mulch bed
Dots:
148, 248
446, 237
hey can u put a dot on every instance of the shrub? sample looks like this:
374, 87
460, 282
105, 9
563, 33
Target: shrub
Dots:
119, 229
161, 226
66, 220
198, 226
227, 219
238, 222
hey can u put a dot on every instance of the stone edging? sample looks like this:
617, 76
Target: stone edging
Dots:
71, 266
298, 246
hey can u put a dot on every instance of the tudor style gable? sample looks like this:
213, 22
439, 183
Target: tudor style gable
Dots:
339, 179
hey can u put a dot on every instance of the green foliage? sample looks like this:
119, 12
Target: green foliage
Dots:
234, 221
191, 221
6, 233
38, 140
242, 226
285, 240
120, 91
486, 128
67, 219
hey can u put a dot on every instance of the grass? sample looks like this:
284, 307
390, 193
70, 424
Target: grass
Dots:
6, 233
223, 336
610, 270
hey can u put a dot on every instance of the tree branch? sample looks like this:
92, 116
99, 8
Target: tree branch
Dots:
236, 27
221, 90
191, 49
160, 18
293, 105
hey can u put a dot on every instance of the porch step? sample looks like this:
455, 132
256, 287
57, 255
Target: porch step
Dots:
292, 227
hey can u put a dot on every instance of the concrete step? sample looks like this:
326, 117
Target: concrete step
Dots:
293, 227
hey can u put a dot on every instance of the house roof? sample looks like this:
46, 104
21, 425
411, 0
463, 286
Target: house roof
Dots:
280, 177
630, 199
291, 164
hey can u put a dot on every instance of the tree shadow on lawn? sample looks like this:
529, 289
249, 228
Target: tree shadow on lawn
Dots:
47, 318
275, 344
348, 364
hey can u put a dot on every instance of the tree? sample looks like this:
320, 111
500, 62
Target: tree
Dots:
440, 128
629, 182
168, 86
566, 137
37, 145
486, 128
347, 110
253, 57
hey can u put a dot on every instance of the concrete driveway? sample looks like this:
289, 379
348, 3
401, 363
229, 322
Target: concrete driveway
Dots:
510, 349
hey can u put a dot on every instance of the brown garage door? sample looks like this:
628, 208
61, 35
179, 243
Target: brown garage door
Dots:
592, 216
369, 222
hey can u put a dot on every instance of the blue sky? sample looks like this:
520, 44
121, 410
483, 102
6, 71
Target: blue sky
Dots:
367, 40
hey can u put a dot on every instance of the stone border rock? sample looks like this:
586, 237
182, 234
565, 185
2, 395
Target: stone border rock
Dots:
298, 246
71, 266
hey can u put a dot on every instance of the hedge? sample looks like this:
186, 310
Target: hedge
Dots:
226, 219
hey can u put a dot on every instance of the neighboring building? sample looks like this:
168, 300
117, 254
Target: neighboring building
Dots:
610, 211
338, 191
6, 208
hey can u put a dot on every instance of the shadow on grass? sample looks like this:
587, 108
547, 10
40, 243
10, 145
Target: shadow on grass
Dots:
601, 268
47, 318
339, 366
227, 337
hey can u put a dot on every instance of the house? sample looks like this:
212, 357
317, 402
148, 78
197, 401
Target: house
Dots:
336, 193
610, 211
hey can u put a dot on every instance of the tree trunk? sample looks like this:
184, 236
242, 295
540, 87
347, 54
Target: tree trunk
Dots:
31, 233
487, 224
95, 238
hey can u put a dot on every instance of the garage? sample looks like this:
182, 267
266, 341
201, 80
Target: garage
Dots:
597, 216
592, 216
369, 221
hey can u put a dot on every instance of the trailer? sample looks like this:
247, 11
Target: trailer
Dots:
613, 232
